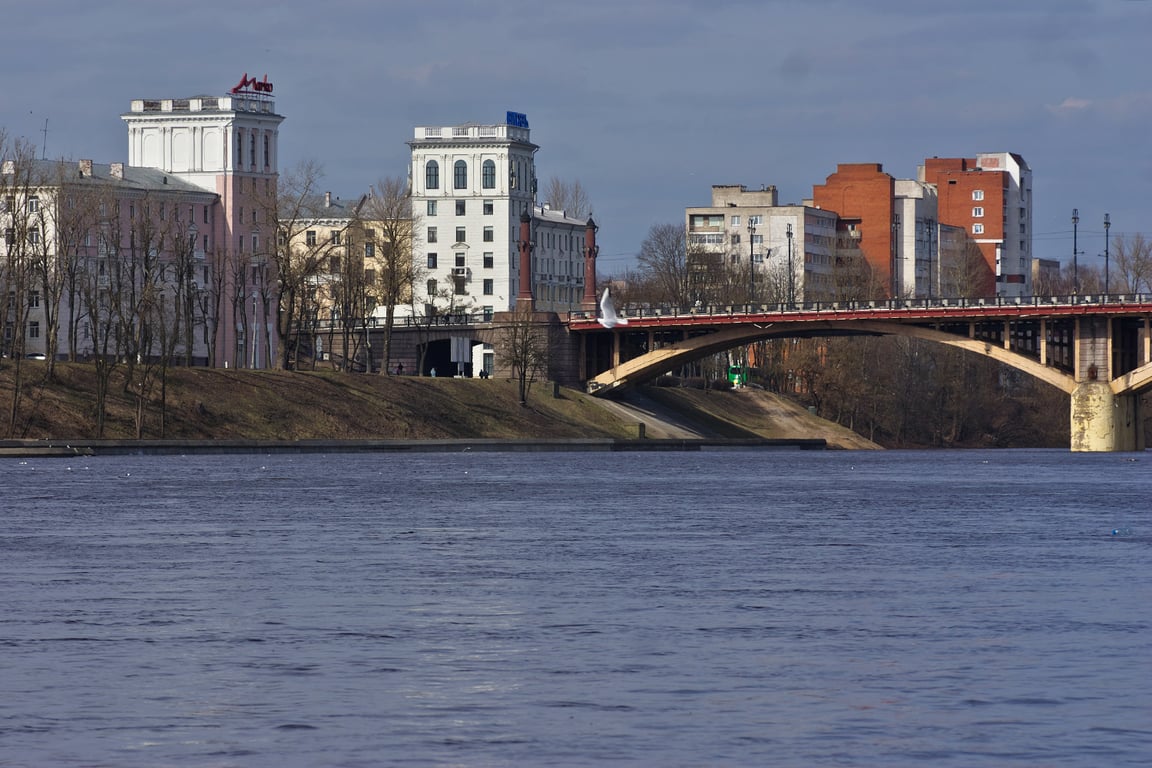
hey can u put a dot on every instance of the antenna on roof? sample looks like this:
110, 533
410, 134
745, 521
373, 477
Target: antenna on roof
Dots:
44, 148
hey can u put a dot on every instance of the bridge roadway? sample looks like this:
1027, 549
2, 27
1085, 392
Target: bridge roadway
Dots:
1098, 348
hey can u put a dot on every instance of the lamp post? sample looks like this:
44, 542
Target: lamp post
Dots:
791, 271
1075, 271
1107, 226
751, 259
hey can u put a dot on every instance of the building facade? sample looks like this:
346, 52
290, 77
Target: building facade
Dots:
771, 253
923, 237
470, 185
990, 197
228, 146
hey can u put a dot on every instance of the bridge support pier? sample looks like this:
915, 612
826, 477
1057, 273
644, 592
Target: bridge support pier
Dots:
1102, 421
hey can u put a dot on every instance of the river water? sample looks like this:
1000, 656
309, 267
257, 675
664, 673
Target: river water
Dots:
721, 608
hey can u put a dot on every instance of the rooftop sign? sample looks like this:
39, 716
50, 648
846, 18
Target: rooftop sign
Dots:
517, 119
252, 85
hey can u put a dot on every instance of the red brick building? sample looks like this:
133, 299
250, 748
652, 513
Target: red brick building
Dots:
863, 195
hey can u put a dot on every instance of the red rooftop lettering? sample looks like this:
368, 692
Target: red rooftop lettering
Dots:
259, 86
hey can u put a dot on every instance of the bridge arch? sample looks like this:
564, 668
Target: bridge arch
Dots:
657, 361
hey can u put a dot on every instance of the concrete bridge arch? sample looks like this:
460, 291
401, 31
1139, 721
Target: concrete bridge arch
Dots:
1104, 411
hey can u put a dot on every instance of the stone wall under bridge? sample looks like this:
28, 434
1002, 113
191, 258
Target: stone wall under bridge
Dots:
410, 337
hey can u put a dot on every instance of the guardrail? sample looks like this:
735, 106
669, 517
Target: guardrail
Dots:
645, 310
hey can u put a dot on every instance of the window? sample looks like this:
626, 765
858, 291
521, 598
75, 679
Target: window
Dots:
431, 261
335, 265
34, 235
10, 236
489, 234
334, 237
489, 284
460, 175
33, 329
33, 204
461, 207
461, 235
369, 276
977, 212
488, 207
431, 287
735, 221
977, 229
252, 149
977, 194
735, 239
431, 207
432, 175
488, 175
431, 234
756, 220
369, 250
488, 260
310, 237
460, 260
255, 242
34, 299
267, 152
205, 214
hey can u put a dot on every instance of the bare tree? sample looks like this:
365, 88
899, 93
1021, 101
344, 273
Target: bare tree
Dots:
568, 196
23, 236
663, 260
388, 211
1132, 264
298, 258
524, 346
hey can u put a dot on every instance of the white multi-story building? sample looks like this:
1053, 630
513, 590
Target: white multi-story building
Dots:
226, 145
470, 185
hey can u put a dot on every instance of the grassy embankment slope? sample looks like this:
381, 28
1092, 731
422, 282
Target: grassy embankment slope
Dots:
220, 404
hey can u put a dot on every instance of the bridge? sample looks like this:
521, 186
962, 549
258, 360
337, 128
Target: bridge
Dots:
1098, 349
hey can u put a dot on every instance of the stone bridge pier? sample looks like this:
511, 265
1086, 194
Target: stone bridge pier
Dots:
1110, 366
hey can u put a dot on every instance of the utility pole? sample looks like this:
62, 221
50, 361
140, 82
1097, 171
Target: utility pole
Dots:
791, 271
751, 259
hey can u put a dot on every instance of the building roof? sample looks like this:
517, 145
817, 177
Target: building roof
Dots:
118, 175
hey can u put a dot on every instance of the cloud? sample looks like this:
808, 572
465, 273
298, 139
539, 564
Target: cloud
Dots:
1070, 105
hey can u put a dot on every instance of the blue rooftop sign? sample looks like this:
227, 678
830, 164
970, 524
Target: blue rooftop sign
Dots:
518, 119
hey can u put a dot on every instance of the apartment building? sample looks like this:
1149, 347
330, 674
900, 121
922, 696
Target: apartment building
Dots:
766, 252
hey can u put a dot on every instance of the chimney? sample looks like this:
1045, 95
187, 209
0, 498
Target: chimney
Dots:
116, 170
327, 199
85, 168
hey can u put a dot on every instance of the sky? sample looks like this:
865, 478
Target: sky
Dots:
647, 103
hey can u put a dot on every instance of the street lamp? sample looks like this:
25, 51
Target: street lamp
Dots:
1075, 271
791, 271
751, 258
1107, 226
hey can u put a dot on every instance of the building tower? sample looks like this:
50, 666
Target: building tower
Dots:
470, 185
227, 145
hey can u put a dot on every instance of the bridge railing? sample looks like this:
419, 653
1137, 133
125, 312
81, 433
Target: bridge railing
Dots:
647, 310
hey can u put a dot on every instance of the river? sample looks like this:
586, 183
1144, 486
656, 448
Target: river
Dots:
720, 608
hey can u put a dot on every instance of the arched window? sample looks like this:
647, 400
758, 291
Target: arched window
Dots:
432, 175
489, 175
460, 175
